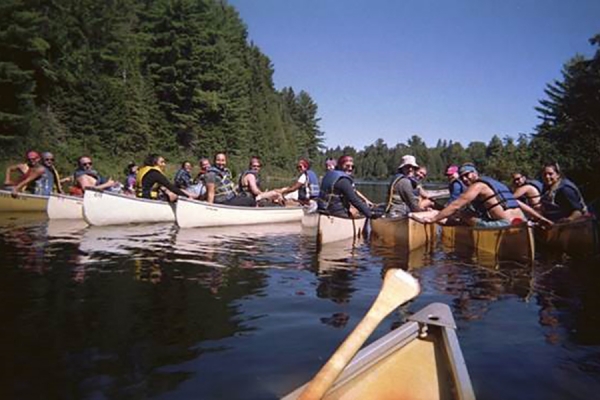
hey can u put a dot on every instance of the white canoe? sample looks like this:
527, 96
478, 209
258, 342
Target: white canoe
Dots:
196, 214
61, 206
105, 208
333, 229
23, 203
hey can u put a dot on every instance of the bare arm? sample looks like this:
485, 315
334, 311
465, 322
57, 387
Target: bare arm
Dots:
210, 192
34, 175
290, 189
105, 185
464, 199
536, 216
251, 180
22, 168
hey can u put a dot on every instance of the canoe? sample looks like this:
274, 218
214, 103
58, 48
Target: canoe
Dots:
61, 206
196, 214
576, 239
105, 208
421, 359
406, 232
23, 203
333, 229
489, 246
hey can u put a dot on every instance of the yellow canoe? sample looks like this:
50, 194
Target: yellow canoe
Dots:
23, 203
577, 238
406, 232
489, 246
421, 359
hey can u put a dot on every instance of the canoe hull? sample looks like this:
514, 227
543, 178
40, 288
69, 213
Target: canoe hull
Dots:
577, 238
490, 246
197, 214
404, 364
405, 232
334, 229
65, 207
23, 203
104, 208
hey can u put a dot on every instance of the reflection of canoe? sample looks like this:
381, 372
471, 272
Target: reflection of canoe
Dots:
400, 256
333, 229
192, 236
577, 238
97, 241
404, 231
66, 228
421, 359
23, 203
513, 243
105, 208
192, 213
61, 206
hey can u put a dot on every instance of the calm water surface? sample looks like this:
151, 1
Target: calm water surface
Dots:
152, 311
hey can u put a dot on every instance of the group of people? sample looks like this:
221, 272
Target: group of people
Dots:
474, 199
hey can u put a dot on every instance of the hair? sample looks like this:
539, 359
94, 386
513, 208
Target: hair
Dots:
202, 159
81, 158
185, 162
151, 159
217, 153
252, 159
342, 160
304, 162
554, 165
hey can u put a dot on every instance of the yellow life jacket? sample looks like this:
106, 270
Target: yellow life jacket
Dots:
138, 181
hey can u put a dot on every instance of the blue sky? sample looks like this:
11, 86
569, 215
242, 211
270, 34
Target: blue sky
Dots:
455, 70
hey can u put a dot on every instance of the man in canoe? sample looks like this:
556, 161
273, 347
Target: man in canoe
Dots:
220, 188
307, 183
86, 176
528, 191
198, 187
183, 177
561, 199
455, 185
37, 180
48, 161
494, 204
249, 185
425, 201
151, 182
20, 168
401, 193
337, 192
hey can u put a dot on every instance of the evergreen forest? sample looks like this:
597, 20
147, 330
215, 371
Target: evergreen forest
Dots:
118, 79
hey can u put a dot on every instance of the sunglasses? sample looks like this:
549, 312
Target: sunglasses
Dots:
256, 165
517, 179
87, 164
48, 159
32, 159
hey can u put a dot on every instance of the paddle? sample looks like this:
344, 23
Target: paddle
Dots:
398, 287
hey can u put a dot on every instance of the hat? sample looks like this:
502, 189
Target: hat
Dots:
408, 160
466, 168
451, 170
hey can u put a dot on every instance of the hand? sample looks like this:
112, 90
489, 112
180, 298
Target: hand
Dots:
427, 220
545, 223
376, 213
14, 194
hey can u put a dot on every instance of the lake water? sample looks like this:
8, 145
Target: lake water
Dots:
152, 311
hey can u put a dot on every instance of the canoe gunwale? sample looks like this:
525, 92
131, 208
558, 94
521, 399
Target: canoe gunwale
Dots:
241, 208
121, 195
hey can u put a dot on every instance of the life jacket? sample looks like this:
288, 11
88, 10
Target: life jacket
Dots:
328, 200
310, 189
394, 198
503, 195
244, 189
555, 209
42, 185
140, 191
536, 184
183, 179
456, 188
56, 177
225, 188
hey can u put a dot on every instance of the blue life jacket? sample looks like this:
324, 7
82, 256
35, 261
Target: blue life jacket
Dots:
310, 190
244, 190
555, 209
536, 184
503, 195
330, 201
224, 188
43, 185
456, 188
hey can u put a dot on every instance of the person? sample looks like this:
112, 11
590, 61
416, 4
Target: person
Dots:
528, 191
48, 161
338, 194
561, 199
37, 180
183, 177
249, 184
425, 201
494, 204
330, 164
455, 186
198, 186
307, 183
401, 192
151, 182
20, 168
130, 177
220, 188
86, 177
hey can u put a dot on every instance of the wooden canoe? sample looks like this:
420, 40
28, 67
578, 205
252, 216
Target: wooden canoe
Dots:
105, 208
407, 232
421, 359
333, 229
61, 206
489, 246
577, 238
196, 214
23, 203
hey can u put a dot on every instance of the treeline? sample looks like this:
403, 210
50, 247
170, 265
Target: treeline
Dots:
119, 78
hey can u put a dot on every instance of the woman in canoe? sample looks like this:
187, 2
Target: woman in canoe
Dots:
220, 188
561, 199
307, 183
151, 182
249, 185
